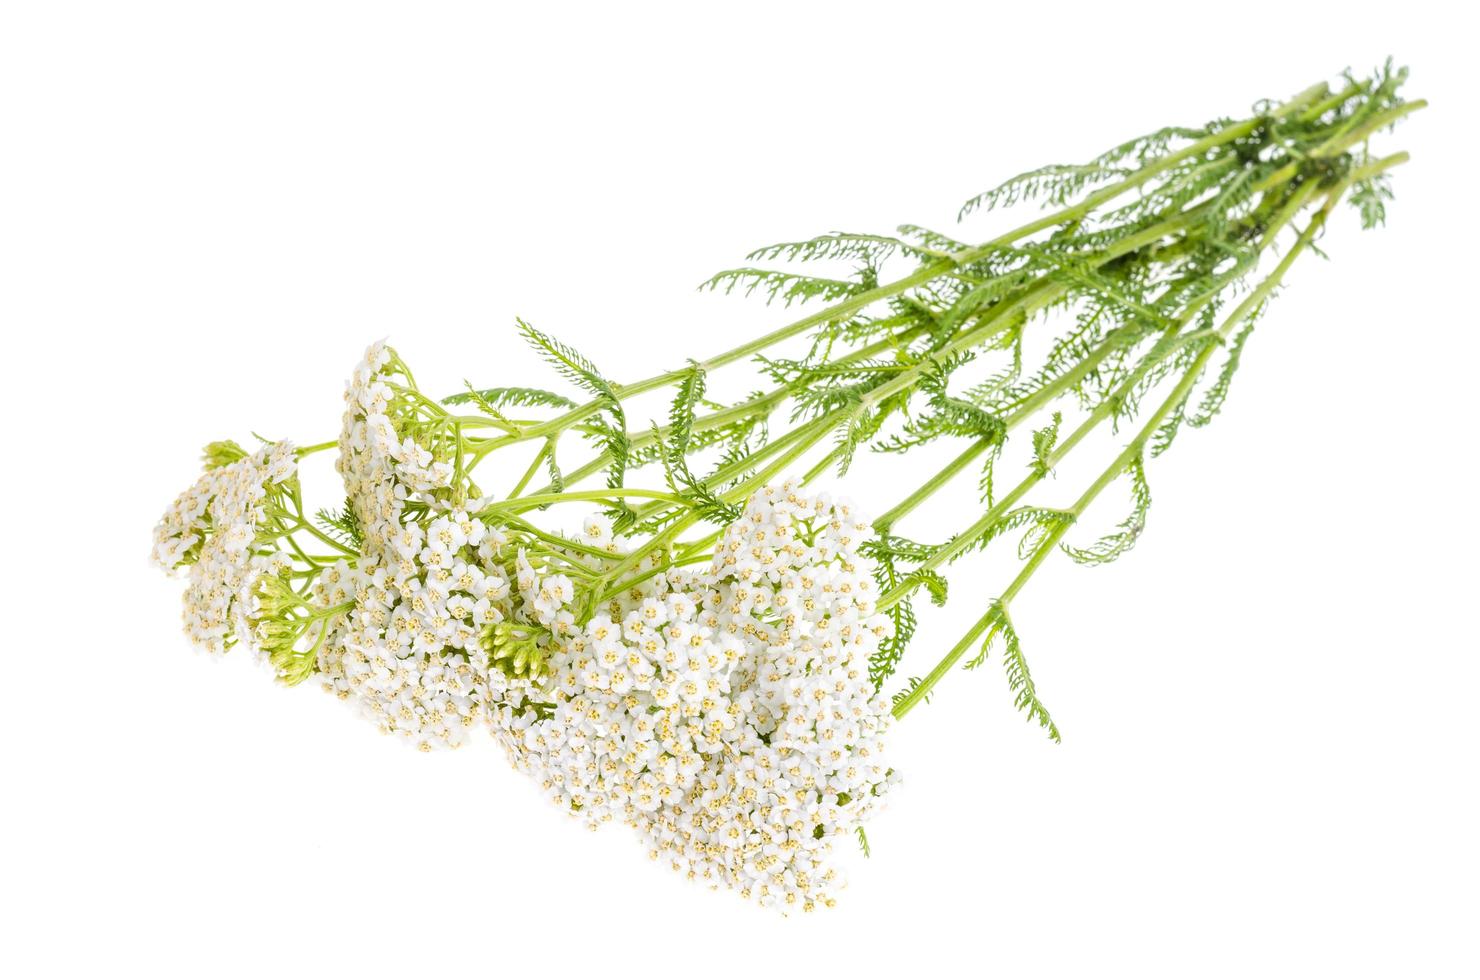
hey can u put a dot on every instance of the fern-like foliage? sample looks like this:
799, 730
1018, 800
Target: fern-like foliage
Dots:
342, 525
889, 552
932, 242
493, 399
986, 483
1019, 677
786, 287
1128, 531
552, 469
1056, 184
871, 249
946, 415
911, 685
858, 427
1217, 394
890, 546
1044, 441
1166, 433
1035, 523
611, 434
1370, 198
675, 450
885, 659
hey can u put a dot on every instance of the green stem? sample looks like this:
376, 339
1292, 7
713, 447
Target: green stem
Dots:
930, 486
534, 467
570, 496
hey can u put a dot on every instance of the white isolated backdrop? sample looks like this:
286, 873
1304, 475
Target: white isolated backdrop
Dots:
207, 210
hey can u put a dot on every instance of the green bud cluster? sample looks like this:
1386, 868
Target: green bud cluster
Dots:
515, 649
280, 619
223, 453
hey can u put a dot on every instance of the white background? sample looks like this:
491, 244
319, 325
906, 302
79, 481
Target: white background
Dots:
207, 210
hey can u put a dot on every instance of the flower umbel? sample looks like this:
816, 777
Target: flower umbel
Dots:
223, 532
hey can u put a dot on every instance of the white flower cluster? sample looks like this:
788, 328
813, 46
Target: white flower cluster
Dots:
213, 529
728, 716
409, 651
725, 713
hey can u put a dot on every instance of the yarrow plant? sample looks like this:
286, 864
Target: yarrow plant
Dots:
706, 653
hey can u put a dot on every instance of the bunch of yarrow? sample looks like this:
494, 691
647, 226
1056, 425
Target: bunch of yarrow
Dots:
674, 625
